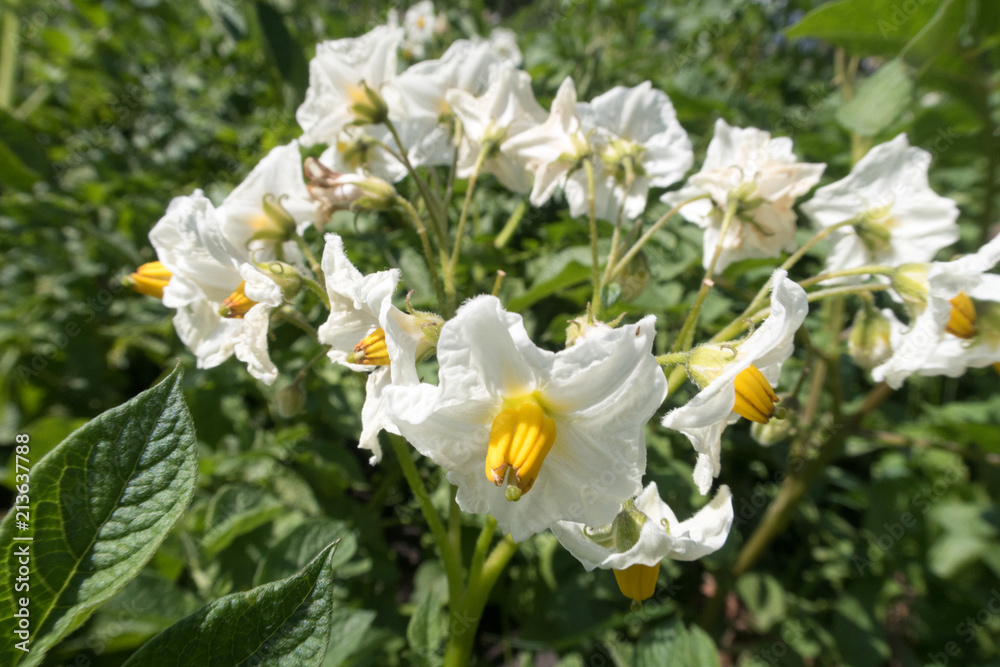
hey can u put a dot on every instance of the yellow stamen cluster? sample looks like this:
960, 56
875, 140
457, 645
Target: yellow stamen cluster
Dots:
150, 279
755, 398
638, 582
962, 322
237, 304
520, 438
371, 351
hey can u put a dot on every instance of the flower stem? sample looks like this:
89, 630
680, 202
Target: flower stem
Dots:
637, 246
595, 269
686, 335
871, 269
418, 224
674, 359
452, 564
452, 266
310, 257
433, 205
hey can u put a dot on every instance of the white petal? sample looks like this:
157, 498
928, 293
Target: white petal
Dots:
251, 344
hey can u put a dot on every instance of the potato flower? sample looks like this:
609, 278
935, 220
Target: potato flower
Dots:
737, 378
898, 218
367, 333
345, 80
223, 300
531, 436
645, 532
949, 299
758, 175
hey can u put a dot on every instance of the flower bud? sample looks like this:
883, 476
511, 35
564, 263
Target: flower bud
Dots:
869, 343
627, 527
285, 276
777, 429
909, 281
290, 400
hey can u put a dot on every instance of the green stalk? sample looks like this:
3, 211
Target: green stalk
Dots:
418, 225
10, 44
452, 266
686, 335
595, 269
437, 216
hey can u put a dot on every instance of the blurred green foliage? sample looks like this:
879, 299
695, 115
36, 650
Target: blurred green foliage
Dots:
109, 109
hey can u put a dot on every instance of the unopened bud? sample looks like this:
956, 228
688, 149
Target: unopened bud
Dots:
290, 400
627, 527
285, 276
909, 281
277, 213
777, 429
869, 343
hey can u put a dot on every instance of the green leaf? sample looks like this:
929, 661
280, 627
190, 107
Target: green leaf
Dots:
101, 504
22, 160
283, 623
347, 634
880, 99
564, 269
427, 629
236, 510
285, 51
764, 597
866, 27
293, 551
672, 645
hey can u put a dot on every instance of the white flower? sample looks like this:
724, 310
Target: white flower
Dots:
506, 109
255, 214
429, 128
747, 168
644, 533
503, 41
209, 273
419, 24
733, 378
899, 218
554, 149
948, 311
660, 534
632, 130
360, 151
564, 430
367, 333
338, 77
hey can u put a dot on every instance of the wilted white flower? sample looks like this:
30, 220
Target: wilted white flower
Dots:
945, 296
898, 218
506, 109
366, 332
531, 436
737, 378
758, 175
645, 532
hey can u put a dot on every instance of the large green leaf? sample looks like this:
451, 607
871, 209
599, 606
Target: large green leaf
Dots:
866, 27
297, 548
880, 100
673, 645
236, 510
283, 623
101, 504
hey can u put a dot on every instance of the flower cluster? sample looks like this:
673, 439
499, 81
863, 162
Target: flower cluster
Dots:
539, 439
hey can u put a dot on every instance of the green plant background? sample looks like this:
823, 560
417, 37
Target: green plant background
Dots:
109, 109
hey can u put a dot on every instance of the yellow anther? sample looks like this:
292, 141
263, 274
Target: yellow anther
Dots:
996, 367
237, 304
638, 582
962, 322
520, 438
150, 279
371, 351
755, 398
